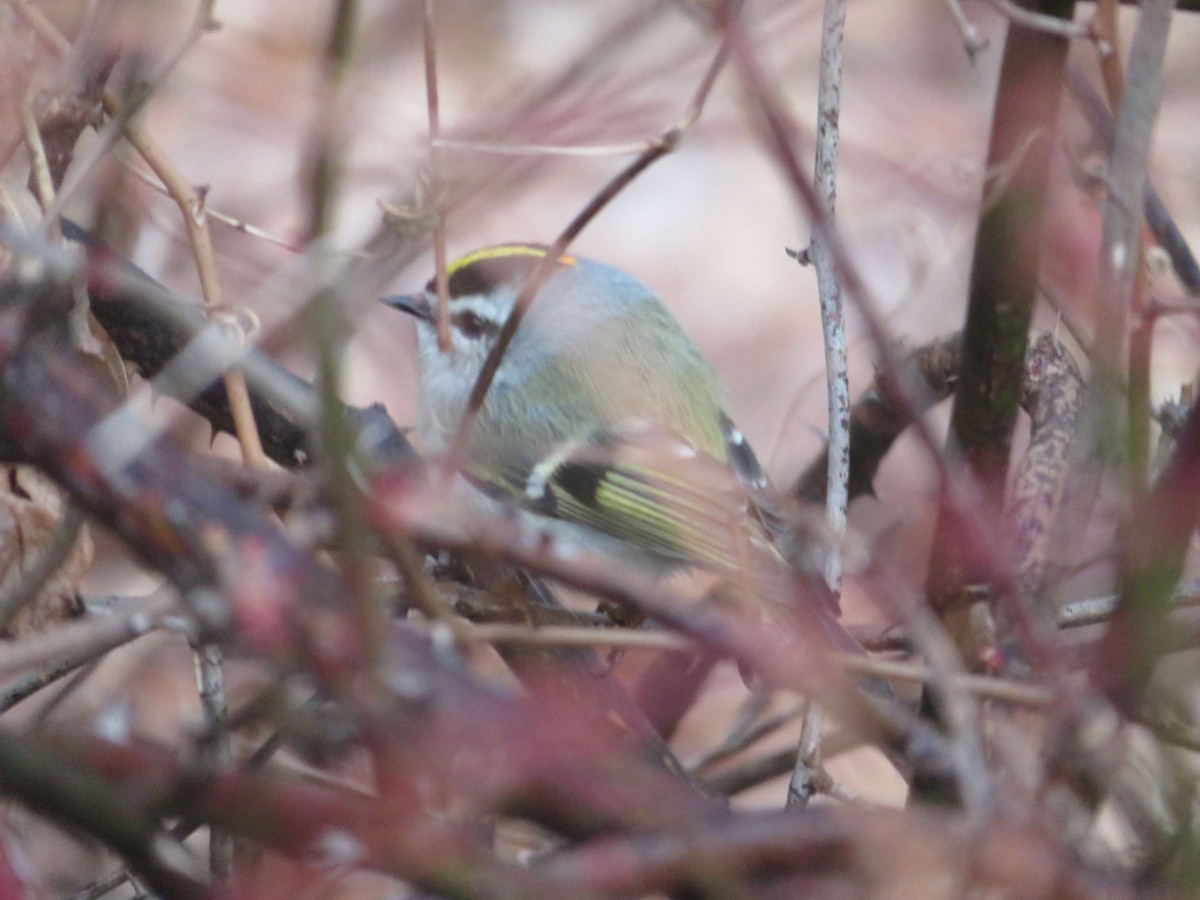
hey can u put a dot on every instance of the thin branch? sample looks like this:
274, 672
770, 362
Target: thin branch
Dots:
744, 738
103, 886
833, 321
1052, 392
89, 638
1106, 26
429, 36
420, 590
151, 328
778, 136
913, 849
920, 378
1158, 534
808, 774
1164, 227
215, 748
1001, 297
1118, 258
240, 225
191, 204
49, 559
81, 799
1047, 24
981, 685
63, 652
628, 149
660, 147
43, 182
973, 42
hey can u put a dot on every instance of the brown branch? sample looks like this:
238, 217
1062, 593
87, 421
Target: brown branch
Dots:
150, 328
53, 411
879, 417
1052, 395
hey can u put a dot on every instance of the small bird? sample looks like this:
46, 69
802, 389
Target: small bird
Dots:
605, 426
604, 421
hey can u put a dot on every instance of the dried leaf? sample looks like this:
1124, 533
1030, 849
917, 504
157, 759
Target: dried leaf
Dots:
31, 509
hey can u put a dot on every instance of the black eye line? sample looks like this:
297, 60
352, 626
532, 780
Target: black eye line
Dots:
473, 325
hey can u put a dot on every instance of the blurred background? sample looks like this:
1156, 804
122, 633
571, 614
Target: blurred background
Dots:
707, 227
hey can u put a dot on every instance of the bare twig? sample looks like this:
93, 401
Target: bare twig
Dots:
103, 886
1095, 610
50, 557
745, 738
1001, 298
542, 149
1159, 533
1106, 27
973, 42
215, 748
1047, 24
906, 849
1052, 394
1118, 259
82, 799
89, 638
152, 329
43, 183
215, 215
65, 652
980, 685
959, 494
190, 202
924, 375
806, 776
833, 322
440, 276
1164, 227
420, 591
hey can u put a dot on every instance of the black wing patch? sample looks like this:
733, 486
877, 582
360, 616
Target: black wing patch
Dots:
645, 485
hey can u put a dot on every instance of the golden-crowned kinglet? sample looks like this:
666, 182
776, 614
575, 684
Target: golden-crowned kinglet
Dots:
603, 418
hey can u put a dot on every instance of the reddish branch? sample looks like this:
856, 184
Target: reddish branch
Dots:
873, 850
1160, 533
1001, 298
246, 580
836, 852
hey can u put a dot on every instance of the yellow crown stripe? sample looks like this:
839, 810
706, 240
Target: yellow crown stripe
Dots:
502, 252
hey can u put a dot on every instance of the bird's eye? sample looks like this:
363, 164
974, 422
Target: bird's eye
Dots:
470, 324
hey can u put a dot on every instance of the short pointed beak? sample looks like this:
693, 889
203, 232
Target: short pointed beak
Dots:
413, 304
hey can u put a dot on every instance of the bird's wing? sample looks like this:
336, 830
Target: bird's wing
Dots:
644, 484
800, 540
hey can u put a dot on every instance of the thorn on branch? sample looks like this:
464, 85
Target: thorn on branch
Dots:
803, 256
